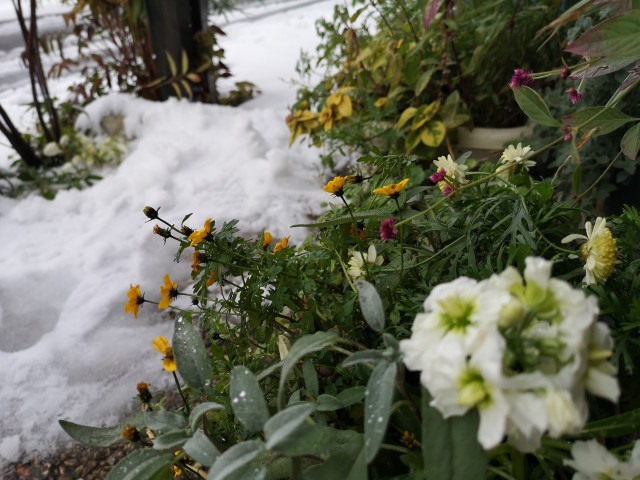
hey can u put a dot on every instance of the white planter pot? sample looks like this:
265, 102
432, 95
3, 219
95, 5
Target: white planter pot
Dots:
481, 138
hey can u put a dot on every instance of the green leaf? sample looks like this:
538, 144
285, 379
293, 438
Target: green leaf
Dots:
346, 461
605, 119
616, 37
630, 143
100, 436
534, 107
377, 213
318, 440
377, 407
234, 459
304, 346
145, 464
423, 81
371, 305
164, 421
624, 424
364, 356
449, 447
286, 422
171, 440
200, 410
310, 377
191, 355
328, 403
185, 62
201, 449
247, 399
351, 395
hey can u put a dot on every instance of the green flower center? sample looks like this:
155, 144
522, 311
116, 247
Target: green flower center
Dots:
473, 390
456, 313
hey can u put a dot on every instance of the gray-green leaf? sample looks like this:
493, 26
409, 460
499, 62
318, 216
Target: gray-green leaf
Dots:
191, 355
371, 305
377, 407
100, 436
247, 399
234, 459
285, 422
201, 449
200, 410
143, 464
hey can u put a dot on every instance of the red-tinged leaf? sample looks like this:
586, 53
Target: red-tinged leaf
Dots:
430, 12
616, 37
604, 66
194, 77
630, 143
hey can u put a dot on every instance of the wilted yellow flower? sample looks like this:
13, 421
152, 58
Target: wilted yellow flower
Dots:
598, 253
130, 432
212, 278
168, 292
162, 345
135, 299
143, 392
301, 122
266, 240
281, 244
199, 235
392, 190
198, 257
336, 186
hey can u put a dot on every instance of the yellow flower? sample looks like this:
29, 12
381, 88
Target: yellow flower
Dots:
168, 292
598, 253
340, 102
381, 102
135, 300
266, 240
336, 186
301, 122
281, 244
162, 345
198, 258
199, 235
212, 278
392, 190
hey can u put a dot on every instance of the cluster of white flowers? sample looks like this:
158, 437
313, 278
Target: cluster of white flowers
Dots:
593, 461
88, 153
523, 351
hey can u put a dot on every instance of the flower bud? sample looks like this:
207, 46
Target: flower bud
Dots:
150, 212
163, 232
143, 392
513, 313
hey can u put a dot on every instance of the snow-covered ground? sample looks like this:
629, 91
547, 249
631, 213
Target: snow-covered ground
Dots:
67, 348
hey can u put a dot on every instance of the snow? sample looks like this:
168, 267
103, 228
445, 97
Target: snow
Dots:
67, 349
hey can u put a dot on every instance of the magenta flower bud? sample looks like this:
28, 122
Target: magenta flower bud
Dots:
574, 95
388, 229
521, 78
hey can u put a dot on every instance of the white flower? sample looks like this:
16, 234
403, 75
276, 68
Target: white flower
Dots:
598, 253
563, 414
601, 377
593, 461
51, 149
357, 260
453, 171
515, 156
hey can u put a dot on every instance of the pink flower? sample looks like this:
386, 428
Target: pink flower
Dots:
388, 229
565, 72
446, 189
521, 78
568, 137
438, 176
574, 95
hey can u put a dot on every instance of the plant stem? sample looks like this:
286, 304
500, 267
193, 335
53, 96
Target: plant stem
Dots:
597, 180
186, 404
517, 465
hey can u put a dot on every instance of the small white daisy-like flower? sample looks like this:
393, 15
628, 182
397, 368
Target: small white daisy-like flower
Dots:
453, 171
515, 156
357, 260
598, 253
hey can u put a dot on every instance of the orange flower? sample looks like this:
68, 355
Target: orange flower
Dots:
168, 292
135, 300
162, 345
199, 235
281, 245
